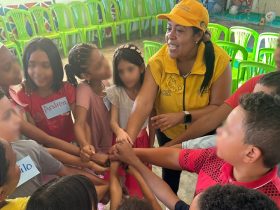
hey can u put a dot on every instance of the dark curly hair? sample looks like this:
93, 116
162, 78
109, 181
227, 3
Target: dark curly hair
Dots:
231, 197
262, 123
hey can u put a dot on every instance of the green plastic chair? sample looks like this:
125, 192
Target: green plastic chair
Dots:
266, 56
41, 17
7, 40
249, 69
24, 26
140, 12
151, 11
218, 32
127, 13
267, 40
241, 35
150, 48
98, 17
164, 6
82, 20
237, 54
65, 24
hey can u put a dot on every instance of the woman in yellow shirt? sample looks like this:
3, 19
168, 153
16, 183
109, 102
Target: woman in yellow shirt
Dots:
187, 78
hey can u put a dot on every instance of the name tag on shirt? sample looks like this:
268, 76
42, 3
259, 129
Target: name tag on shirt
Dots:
56, 108
107, 103
28, 170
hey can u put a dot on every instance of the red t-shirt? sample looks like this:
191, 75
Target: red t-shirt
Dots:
52, 114
212, 170
247, 87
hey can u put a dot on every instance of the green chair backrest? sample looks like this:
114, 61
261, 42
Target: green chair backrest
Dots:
218, 32
266, 55
80, 13
150, 48
23, 22
267, 40
126, 9
114, 11
139, 8
235, 51
43, 19
5, 34
249, 69
151, 7
241, 35
63, 16
96, 11
164, 6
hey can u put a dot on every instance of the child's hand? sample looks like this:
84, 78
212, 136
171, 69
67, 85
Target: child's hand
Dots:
97, 168
87, 152
123, 136
123, 151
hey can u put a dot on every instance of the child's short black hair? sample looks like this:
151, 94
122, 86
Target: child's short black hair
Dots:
262, 125
135, 204
271, 80
69, 192
230, 197
47, 46
4, 163
78, 60
130, 53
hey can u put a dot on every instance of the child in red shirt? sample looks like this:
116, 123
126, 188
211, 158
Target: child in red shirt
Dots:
246, 155
49, 101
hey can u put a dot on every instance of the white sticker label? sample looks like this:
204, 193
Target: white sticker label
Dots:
56, 108
28, 170
107, 103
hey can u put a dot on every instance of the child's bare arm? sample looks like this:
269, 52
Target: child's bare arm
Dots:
145, 188
43, 138
115, 187
152, 130
72, 160
114, 122
83, 133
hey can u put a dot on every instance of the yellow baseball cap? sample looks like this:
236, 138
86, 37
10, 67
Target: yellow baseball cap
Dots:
188, 13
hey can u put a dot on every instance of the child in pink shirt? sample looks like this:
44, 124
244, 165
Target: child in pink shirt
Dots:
49, 101
92, 125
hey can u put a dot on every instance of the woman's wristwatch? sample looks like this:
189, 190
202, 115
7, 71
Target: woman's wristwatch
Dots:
187, 117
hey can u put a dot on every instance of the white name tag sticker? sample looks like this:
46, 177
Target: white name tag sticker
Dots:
28, 170
56, 108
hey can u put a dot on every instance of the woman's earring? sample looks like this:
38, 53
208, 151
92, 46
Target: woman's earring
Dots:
196, 42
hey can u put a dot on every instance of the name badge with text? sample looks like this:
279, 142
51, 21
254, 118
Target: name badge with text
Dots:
56, 108
28, 170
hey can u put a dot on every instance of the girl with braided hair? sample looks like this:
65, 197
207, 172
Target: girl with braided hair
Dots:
92, 121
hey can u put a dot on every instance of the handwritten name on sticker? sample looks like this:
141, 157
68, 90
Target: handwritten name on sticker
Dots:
56, 108
28, 170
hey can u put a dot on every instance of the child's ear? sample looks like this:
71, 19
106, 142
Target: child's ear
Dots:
252, 154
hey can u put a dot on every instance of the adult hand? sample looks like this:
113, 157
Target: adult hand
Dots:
123, 152
87, 152
165, 121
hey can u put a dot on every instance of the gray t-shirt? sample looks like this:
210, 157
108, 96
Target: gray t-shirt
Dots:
45, 163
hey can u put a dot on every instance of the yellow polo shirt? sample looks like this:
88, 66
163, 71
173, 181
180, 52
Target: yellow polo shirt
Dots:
16, 204
171, 84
